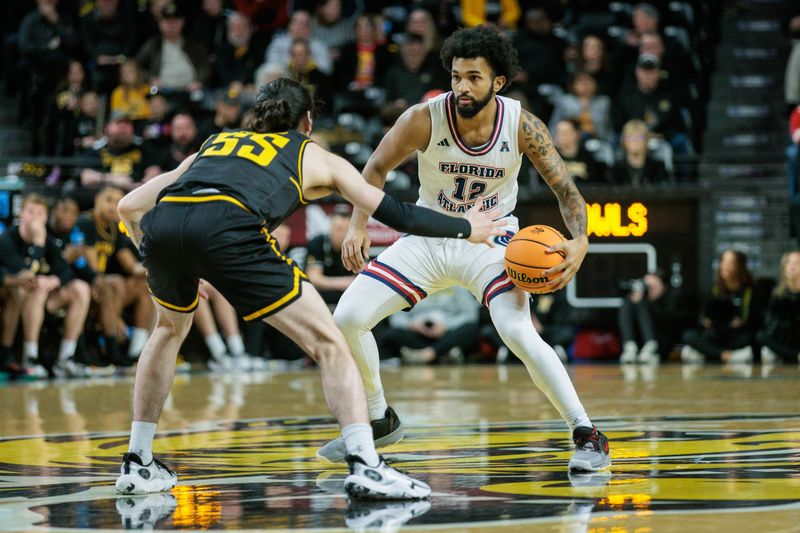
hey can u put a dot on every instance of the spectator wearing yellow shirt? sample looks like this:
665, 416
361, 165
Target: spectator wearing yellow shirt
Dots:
130, 96
502, 13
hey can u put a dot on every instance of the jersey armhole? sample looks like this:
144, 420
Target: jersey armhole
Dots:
430, 139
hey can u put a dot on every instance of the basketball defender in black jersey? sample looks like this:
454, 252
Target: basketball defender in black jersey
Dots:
211, 218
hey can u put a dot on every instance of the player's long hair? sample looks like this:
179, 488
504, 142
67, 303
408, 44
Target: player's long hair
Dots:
280, 106
485, 42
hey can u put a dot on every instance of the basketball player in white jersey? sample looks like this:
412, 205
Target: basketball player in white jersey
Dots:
469, 144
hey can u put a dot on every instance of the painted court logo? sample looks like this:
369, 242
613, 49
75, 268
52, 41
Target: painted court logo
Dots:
262, 474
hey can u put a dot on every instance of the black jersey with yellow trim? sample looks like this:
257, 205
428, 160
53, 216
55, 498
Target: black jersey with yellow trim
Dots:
260, 172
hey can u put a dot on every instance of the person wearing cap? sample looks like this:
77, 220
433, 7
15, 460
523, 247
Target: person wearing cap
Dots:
118, 154
652, 101
171, 60
324, 265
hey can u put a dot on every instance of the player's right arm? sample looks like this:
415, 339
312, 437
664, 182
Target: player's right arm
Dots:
410, 133
324, 172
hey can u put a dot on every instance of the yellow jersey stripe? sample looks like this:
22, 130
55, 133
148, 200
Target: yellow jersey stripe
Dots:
178, 308
283, 301
200, 199
299, 190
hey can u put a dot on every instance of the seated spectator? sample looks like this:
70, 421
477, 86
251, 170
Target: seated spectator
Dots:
362, 63
303, 70
637, 167
68, 237
66, 108
183, 133
49, 286
646, 20
170, 60
593, 58
330, 28
651, 101
420, 21
117, 277
119, 156
780, 336
416, 73
108, 41
592, 111
442, 327
130, 96
84, 132
647, 300
227, 114
226, 354
46, 42
501, 13
324, 265
280, 48
728, 318
581, 164
208, 26
676, 72
267, 16
155, 130
239, 55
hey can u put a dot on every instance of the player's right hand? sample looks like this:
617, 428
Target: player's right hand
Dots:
484, 225
355, 249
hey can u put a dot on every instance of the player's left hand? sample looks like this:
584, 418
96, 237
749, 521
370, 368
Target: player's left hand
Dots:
574, 252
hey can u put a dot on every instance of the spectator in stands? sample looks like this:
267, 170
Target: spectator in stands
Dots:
726, 324
793, 171
792, 74
593, 58
183, 132
592, 111
362, 63
303, 70
501, 13
130, 96
581, 165
84, 134
108, 40
541, 57
266, 15
652, 101
780, 336
420, 21
209, 26
647, 301
416, 73
227, 114
46, 42
239, 55
645, 18
117, 277
441, 327
637, 167
279, 50
324, 265
119, 156
330, 28
172, 61
216, 309
71, 241
156, 129
53, 288
66, 107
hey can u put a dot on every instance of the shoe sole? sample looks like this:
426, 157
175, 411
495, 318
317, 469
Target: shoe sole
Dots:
129, 485
579, 465
363, 488
392, 438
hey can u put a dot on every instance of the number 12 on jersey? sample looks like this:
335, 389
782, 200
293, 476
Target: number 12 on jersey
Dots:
476, 188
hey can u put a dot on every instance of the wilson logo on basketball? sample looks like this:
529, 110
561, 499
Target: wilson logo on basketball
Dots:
523, 277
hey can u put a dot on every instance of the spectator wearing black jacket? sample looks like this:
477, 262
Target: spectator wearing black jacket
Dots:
49, 286
780, 336
324, 261
730, 316
581, 165
108, 40
362, 64
416, 73
239, 55
637, 167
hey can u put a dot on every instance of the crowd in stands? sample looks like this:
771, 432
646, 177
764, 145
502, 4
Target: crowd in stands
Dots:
122, 90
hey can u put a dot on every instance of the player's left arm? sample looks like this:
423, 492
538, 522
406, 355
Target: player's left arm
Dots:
536, 143
139, 201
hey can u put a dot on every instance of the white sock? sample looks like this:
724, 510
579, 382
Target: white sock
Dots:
30, 350
358, 439
141, 442
576, 419
235, 345
66, 350
376, 405
215, 346
139, 338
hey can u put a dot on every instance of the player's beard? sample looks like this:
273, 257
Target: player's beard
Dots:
469, 111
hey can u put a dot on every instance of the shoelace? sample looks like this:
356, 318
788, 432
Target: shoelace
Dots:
162, 465
590, 441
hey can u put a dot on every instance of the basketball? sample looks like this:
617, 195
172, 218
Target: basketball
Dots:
527, 258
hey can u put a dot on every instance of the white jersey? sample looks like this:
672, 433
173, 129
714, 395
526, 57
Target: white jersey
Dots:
452, 175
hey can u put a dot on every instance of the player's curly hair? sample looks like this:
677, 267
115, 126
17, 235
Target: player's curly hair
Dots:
495, 47
279, 106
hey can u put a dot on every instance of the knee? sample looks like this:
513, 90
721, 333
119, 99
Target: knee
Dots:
173, 328
79, 291
327, 349
348, 319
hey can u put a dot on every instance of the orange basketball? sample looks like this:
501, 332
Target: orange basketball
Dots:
526, 257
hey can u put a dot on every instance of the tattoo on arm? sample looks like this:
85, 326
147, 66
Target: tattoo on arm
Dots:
538, 146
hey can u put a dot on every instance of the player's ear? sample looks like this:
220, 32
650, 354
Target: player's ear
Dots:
309, 123
499, 83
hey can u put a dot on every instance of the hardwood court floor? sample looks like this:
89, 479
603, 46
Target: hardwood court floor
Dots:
694, 448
